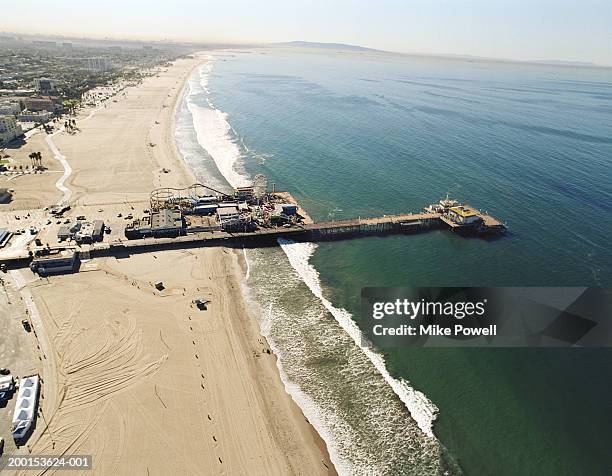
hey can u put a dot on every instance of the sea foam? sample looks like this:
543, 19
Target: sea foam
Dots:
422, 410
214, 132
217, 137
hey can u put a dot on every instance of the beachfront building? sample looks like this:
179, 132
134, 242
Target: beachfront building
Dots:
9, 129
90, 232
160, 223
46, 86
43, 103
39, 117
9, 108
59, 263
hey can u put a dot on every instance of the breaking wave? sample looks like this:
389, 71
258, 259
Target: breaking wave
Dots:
409, 443
214, 132
422, 410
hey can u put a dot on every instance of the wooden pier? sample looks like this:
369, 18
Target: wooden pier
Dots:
324, 231
488, 225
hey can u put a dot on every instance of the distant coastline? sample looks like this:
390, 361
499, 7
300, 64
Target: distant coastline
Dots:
363, 49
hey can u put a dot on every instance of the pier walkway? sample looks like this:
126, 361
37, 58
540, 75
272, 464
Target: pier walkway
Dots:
389, 224
324, 231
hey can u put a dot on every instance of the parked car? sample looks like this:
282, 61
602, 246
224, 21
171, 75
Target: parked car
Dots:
7, 387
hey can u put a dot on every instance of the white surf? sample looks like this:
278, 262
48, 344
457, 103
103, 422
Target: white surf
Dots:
422, 410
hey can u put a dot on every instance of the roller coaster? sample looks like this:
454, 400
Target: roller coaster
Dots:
186, 197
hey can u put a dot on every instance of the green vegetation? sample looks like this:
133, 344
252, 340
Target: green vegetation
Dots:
70, 104
36, 158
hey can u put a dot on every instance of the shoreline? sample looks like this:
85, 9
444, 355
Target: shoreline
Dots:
254, 423
420, 410
241, 268
242, 271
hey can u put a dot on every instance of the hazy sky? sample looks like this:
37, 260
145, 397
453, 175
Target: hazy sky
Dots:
578, 30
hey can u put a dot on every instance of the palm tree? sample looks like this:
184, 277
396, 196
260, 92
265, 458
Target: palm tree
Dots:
36, 158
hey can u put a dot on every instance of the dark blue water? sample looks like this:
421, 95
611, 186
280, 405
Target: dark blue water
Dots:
367, 134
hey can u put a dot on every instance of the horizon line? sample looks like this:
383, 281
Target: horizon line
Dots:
320, 44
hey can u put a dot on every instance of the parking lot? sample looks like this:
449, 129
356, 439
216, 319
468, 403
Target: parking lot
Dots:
115, 217
18, 352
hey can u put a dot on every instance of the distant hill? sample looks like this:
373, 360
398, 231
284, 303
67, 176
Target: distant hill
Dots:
345, 47
329, 46
564, 63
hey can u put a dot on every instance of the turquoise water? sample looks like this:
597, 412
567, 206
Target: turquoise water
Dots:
367, 134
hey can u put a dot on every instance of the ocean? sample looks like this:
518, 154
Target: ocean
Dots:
362, 134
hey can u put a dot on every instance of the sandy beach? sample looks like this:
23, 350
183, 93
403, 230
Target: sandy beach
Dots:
140, 378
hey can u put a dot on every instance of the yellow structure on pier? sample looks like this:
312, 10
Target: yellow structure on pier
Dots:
464, 215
